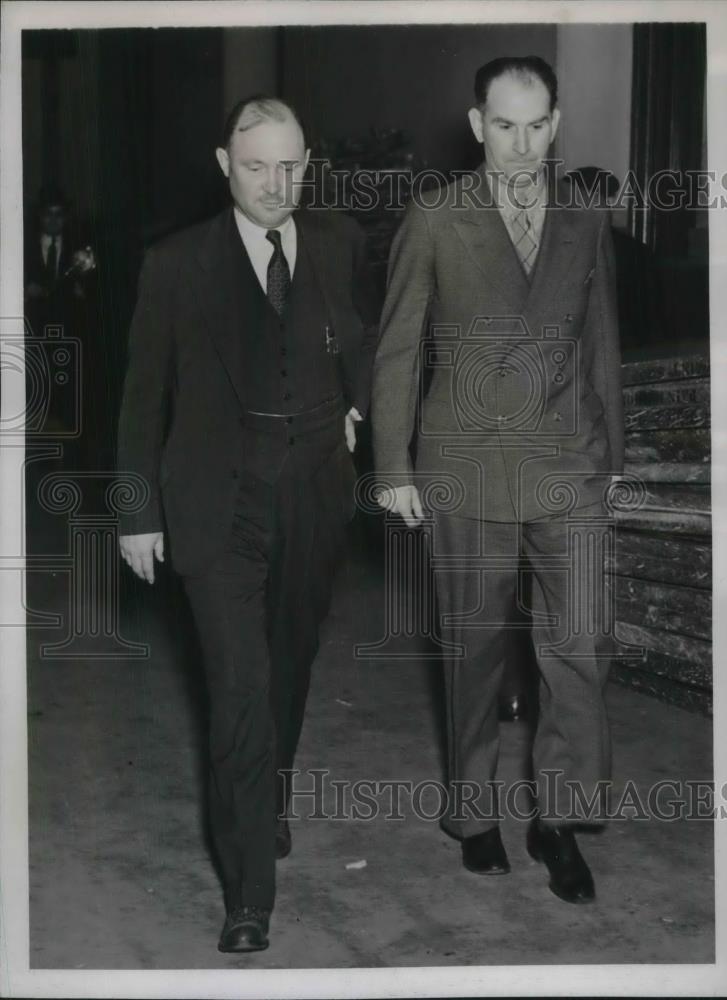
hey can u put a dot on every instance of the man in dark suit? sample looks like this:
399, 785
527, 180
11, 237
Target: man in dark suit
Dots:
59, 289
57, 265
523, 425
255, 331
48, 250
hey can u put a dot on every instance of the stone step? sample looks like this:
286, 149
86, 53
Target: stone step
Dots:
681, 647
662, 559
665, 369
691, 446
673, 507
647, 417
689, 392
671, 608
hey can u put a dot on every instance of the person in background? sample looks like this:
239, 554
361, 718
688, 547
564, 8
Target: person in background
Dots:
59, 291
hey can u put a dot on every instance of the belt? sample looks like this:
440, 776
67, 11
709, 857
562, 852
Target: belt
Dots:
304, 420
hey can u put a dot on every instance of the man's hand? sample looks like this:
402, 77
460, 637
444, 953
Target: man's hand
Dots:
353, 417
403, 500
139, 552
83, 260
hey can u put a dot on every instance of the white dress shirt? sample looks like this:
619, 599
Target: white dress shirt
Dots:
260, 249
45, 242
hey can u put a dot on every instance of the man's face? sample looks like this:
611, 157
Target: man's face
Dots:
53, 220
516, 126
265, 166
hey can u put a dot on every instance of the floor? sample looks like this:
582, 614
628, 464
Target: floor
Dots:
121, 875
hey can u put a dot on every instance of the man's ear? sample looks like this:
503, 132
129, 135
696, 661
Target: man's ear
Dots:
554, 120
223, 159
475, 117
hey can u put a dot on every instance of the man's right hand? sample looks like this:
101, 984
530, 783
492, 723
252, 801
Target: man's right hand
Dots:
139, 552
403, 500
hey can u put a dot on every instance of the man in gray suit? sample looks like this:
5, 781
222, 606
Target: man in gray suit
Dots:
512, 294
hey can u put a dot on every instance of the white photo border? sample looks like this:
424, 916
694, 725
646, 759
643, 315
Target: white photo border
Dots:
16, 978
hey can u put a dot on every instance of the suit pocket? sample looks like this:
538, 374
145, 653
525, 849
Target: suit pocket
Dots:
335, 481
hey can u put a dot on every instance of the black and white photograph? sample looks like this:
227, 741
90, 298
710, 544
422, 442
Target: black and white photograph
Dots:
361, 387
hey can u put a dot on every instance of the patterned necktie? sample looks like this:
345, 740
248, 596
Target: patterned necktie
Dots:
524, 239
51, 260
278, 274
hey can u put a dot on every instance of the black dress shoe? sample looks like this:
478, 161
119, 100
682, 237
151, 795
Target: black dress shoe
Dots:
283, 840
570, 876
513, 708
246, 929
485, 854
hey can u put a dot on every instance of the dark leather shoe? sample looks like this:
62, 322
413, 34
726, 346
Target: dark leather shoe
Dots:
570, 876
283, 840
513, 708
485, 854
246, 929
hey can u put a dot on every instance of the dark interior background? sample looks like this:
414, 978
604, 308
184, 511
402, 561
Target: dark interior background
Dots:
126, 122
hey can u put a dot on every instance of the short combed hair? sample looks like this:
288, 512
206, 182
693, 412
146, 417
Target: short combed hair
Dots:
252, 110
524, 67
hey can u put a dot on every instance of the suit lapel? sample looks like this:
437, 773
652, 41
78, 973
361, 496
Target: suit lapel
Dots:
559, 243
312, 243
227, 302
481, 229
488, 243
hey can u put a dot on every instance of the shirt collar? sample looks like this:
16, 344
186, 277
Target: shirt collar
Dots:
250, 230
529, 196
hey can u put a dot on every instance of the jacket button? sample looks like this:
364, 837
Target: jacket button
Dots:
568, 317
287, 395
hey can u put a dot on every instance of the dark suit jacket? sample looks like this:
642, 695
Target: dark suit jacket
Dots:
526, 389
182, 418
35, 270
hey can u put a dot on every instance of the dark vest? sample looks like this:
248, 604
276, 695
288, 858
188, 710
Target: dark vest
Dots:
287, 368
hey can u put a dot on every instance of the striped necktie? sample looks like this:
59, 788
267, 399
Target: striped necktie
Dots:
278, 274
524, 239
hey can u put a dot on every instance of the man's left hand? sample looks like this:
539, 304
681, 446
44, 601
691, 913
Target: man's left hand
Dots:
353, 417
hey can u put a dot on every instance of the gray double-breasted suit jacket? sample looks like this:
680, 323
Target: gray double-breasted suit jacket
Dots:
524, 415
